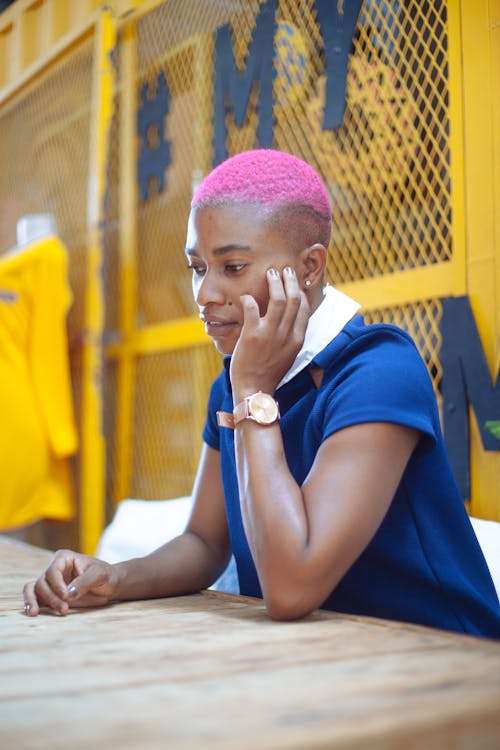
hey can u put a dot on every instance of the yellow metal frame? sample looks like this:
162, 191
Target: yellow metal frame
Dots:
481, 54
184, 333
93, 456
457, 166
18, 31
448, 278
404, 287
33, 33
128, 259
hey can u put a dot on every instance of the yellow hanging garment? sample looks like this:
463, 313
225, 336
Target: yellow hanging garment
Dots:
37, 426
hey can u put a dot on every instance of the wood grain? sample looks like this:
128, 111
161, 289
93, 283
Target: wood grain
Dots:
212, 671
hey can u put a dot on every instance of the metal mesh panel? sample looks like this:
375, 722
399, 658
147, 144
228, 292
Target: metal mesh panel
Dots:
110, 404
170, 410
386, 170
421, 320
112, 224
46, 127
44, 152
112, 331
387, 166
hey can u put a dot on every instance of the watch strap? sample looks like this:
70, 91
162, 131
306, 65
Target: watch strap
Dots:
243, 411
225, 419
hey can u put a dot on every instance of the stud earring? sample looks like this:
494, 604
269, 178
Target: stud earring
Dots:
307, 282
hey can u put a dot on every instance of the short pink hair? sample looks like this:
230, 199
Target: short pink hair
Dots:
273, 179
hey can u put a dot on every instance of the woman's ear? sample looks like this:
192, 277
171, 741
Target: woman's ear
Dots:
311, 266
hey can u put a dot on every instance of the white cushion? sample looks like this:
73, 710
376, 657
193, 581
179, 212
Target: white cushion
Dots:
488, 535
141, 526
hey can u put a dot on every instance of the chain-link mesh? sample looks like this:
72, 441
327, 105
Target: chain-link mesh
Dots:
44, 152
386, 169
169, 415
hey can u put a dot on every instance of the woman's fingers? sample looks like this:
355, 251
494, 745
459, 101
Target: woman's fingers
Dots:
70, 580
94, 583
88, 600
251, 317
31, 608
39, 594
269, 344
278, 301
288, 310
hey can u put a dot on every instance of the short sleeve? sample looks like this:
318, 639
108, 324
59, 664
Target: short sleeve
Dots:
384, 379
211, 435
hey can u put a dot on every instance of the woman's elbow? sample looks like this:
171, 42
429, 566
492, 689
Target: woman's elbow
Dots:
283, 607
292, 596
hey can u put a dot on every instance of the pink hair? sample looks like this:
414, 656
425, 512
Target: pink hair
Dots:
270, 178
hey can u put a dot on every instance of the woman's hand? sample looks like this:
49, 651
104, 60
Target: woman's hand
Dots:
71, 580
268, 345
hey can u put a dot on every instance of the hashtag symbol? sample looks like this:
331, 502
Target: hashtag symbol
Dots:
155, 150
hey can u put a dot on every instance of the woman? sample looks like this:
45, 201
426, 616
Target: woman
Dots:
323, 468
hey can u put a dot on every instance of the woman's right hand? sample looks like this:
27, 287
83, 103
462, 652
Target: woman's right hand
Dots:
71, 580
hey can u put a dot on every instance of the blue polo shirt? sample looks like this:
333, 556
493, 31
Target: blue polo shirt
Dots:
424, 564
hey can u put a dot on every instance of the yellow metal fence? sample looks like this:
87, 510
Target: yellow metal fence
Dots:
110, 135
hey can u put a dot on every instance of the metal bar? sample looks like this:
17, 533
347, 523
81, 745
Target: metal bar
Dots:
128, 259
403, 287
175, 335
457, 166
480, 144
17, 79
92, 482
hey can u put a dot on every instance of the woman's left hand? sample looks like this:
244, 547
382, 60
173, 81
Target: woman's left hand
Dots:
268, 345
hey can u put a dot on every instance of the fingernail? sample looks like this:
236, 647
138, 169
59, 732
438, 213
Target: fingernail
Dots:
289, 271
273, 272
27, 609
72, 591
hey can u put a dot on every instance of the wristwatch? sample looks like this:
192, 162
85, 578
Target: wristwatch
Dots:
261, 407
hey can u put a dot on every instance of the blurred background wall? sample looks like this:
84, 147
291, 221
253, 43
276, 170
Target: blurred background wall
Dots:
111, 113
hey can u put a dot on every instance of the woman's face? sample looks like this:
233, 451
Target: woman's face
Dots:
230, 249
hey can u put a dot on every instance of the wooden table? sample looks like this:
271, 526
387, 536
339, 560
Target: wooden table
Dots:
212, 671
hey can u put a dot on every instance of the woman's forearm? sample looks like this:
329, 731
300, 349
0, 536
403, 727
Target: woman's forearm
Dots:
272, 505
183, 565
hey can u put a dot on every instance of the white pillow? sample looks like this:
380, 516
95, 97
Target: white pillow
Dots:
488, 535
140, 526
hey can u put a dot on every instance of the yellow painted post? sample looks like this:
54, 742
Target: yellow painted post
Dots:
494, 23
203, 77
31, 34
15, 54
482, 142
457, 166
92, 487
128, 259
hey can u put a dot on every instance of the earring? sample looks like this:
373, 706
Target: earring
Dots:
307, 282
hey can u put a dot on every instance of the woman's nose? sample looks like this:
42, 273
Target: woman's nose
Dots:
208, 289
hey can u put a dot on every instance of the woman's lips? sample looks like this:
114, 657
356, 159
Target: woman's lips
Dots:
217, 328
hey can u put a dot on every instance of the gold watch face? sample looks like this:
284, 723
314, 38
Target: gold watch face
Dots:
263, 408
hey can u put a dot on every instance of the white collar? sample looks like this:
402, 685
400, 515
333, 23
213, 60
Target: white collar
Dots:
325, 323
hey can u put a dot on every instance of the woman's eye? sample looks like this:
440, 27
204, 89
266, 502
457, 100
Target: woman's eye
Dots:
198, 270
235, 267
